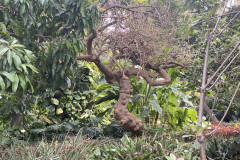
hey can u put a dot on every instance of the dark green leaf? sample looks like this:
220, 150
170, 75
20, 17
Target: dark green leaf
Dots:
22, 8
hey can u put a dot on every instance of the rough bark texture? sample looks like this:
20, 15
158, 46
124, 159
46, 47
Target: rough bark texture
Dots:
121, 113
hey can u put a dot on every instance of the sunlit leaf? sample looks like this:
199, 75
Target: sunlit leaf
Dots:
173, 99
9, 76
15, 83
17, 61
156, 106
54, 101
2, 84
22, 82
3, 49
34, 69
59, 111
3, 41
24, 68
3, 27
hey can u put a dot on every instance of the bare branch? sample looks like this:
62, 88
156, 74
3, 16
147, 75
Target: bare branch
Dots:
218, 20
149, 75
226, 26
204, 78
110, 5
88, 58
211, 78
224, 69
90, 41
217, 17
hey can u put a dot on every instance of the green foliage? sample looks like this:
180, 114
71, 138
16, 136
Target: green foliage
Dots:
153, 147
161, 104
200, 18
68, 147
221, 148
128, 148
46, 17
77, 147
52, 30
15, 65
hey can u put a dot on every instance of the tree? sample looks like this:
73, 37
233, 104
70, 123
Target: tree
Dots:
220, 52
52, 30
46, 34
130, 36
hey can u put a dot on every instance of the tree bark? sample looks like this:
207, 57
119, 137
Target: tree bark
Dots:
121, 113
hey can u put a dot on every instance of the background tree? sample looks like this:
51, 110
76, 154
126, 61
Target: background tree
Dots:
46, 34
214, 19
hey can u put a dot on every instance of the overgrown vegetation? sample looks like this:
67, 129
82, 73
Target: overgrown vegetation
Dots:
80, 79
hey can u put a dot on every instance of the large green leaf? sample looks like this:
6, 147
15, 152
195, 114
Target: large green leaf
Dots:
156, 106
17, 61
9, 76
18, 46
34, 69
8, 83
29, 54
22, 8
24, 68
29, 82
2, 84
22, 82
13, 41
15, 83
3, 41
3, 27
173, 99
3, 49
144, 112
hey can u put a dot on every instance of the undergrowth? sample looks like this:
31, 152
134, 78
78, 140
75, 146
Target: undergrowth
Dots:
148, 146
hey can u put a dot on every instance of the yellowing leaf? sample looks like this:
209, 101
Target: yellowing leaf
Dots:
59, 111
46, 119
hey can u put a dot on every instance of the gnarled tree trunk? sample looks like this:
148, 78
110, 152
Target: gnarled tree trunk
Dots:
127, 42
121, 113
